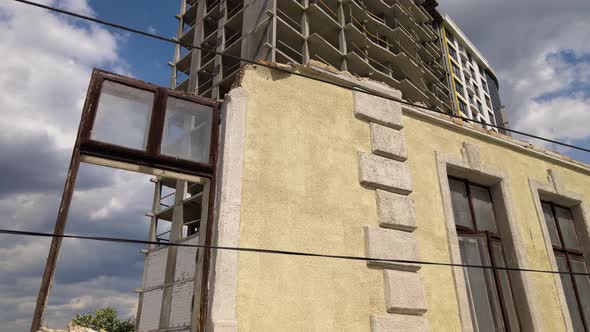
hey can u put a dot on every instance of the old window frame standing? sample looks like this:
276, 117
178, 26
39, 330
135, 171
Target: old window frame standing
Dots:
149, 160
496, 293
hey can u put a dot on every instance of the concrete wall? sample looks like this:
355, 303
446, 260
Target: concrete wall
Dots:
301, 192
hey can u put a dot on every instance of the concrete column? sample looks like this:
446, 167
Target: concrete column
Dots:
175, 236
305, 33
218, 65
342, 36
193, 82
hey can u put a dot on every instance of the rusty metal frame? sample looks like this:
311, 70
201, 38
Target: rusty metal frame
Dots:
150, 157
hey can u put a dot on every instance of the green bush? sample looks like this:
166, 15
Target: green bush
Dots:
106, 319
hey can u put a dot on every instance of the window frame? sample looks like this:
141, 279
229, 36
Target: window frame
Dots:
151, 155
566, 252
489, 238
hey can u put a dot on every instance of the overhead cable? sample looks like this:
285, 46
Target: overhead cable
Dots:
375, 260
282, 69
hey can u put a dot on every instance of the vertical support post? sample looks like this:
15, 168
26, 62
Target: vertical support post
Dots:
175, 236
173, 75
305, 33
218, 76
197, 316
342, 36
151, 237
60, 225
273, 32
193, 82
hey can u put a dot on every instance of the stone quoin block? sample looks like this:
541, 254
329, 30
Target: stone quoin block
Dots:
404, 292
396, 211
383, 173
399, 323
392, 244
377, 109
387, 142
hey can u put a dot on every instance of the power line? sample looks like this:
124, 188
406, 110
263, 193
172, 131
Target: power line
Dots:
359, 89
281, 252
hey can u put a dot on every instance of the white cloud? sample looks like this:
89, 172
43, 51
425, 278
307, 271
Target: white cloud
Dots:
46, 64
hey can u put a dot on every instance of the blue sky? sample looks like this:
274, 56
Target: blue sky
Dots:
148, 58
539, 48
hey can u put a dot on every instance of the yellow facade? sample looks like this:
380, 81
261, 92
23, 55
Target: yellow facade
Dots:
301, 192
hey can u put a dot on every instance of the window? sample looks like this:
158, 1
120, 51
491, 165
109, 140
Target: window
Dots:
489, 291
484, 86
491, 115
488, 102
463, 107
459, 87
452, 52
569, 257
479, 106
456, 70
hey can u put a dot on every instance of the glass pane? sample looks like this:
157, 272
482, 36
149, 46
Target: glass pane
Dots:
484, 305
506, 291
568, 231
551, 227
187, 130
583, 285
123, 116
482, 208
461, 209
569, 292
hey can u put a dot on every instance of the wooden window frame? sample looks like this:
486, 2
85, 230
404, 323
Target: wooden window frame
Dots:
89, 150
563, 250
488, 237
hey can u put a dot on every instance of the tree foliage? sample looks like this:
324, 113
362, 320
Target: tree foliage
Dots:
106, 319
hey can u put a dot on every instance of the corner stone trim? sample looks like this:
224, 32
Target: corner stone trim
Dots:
388, 143
391, 244
399, 323
404, 293
378, 110
385, 174
396, 211
385, 170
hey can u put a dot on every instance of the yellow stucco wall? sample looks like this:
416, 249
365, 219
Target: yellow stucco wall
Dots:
301, 193
423, 139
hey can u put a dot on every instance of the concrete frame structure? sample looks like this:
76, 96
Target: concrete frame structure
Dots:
393, 41
471, 78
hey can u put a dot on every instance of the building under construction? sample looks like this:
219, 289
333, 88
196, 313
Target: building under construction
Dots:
392, 41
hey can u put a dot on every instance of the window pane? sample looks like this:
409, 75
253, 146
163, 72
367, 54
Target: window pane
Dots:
583, 285
461, 210
123, 115
504, 281
187, 130
484, 305
482, 208
568, 231
569, 292
551, 227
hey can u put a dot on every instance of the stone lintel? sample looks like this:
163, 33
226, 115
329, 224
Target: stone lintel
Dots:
399, 323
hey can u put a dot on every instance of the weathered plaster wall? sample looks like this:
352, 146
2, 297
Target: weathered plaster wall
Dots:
301, 192
423, 138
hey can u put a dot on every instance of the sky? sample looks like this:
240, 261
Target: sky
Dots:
540, 50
